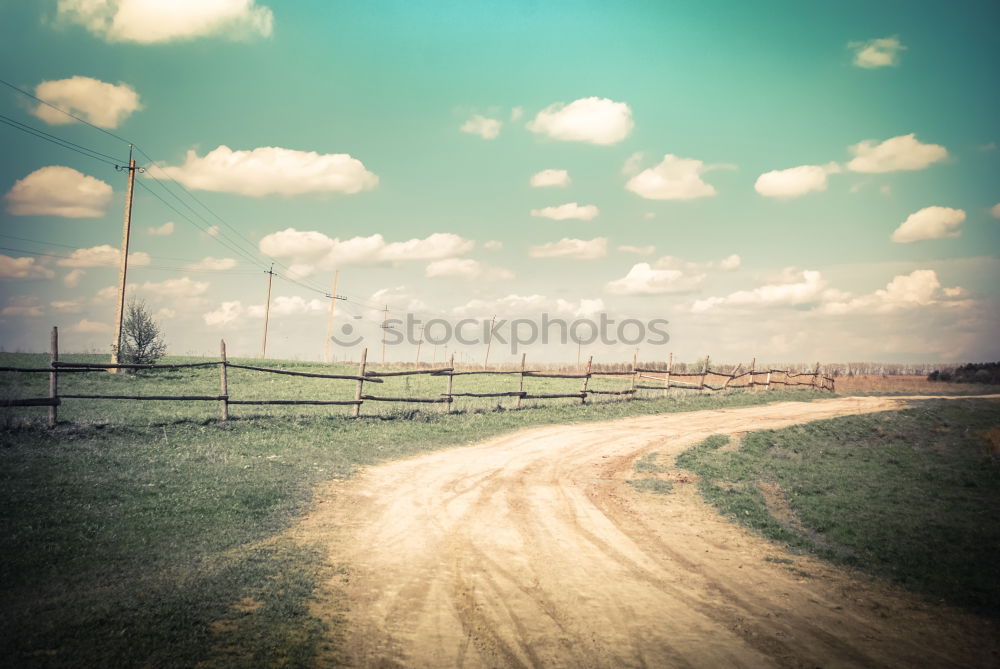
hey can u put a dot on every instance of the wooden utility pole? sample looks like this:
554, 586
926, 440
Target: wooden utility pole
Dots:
328, 342
267, 311
385, 328
489, 342
116, 345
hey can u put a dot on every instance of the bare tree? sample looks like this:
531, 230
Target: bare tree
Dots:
142, 340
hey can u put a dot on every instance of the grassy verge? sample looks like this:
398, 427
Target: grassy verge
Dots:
911, 496
140, 534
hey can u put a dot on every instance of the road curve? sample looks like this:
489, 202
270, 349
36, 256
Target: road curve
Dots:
528, 550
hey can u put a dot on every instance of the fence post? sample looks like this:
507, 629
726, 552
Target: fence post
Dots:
736, 372
451, 382
520, 387
223, 383
753, 366
815, 375
54, 378
767, 383
586, 380
670, 366
704, 373
361, 383
635, 376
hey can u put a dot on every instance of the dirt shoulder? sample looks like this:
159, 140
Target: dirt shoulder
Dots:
529, 550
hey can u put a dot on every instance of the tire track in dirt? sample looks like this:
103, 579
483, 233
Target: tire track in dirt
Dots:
529, 551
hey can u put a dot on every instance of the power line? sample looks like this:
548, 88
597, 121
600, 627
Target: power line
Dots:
58, 141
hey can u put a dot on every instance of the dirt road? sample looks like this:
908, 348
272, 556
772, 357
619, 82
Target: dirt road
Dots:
529, 550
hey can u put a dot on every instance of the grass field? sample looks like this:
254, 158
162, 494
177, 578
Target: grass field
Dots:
135, 531
909, 496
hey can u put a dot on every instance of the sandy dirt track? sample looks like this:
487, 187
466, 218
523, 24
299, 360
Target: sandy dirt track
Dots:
529, 550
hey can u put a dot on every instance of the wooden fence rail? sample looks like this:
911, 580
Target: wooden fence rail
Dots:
668, 381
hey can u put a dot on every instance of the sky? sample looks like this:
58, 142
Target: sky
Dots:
782, 180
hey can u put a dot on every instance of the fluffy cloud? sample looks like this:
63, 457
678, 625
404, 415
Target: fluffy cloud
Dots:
638, 250
487, 128
897, 153
58, 191
22, 306
727, 264
794, 289
183, 287
150, 22
289, 306
995, 211
270, 170
163, 230
570, 210
643, 279
881, 52
228, 312
23, 268
929, 223
730, 263
89, 327
919, 288
72, 278
213, 264
465, 268
550, 178
493, 245
673, 179
593, 120
98, 102
521, 305
66, 306
102, 256
794, 181
577, 249
310, 250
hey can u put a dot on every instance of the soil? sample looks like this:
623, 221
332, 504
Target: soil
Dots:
528, 550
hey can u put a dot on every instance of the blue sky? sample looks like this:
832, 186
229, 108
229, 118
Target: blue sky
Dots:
792, 181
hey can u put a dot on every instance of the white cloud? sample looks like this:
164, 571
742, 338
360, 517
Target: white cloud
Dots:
577, 249
310, 250
58, 191
164, 313
798, 288
23, 306
794, 181
212, 231
102, 256
66, 306
465, 268
23, 268
270, 170
152, 21
919, 288
213, 264
904, 152
182, 287
673, 179
881, 52
516, 113
995, 211
397, 298
550, 178
493, 245
649, 215
633, 164
570, 210
289, 306
72, 278
163, 230
487, 128
100, 103
727, 264
89, 327
593, 120
228, 312
642, 279
730, 263
522, 305
929, 223
638, 250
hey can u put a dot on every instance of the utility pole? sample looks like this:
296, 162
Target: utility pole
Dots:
328, 342
489, 342
419, 342
267, 312
123, 262
385, 327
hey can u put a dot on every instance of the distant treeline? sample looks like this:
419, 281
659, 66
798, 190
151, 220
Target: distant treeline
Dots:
975, 372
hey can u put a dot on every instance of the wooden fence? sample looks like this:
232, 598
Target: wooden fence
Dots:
665, 379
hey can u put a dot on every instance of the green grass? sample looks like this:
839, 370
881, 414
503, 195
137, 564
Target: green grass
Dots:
129, 532
910, 496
